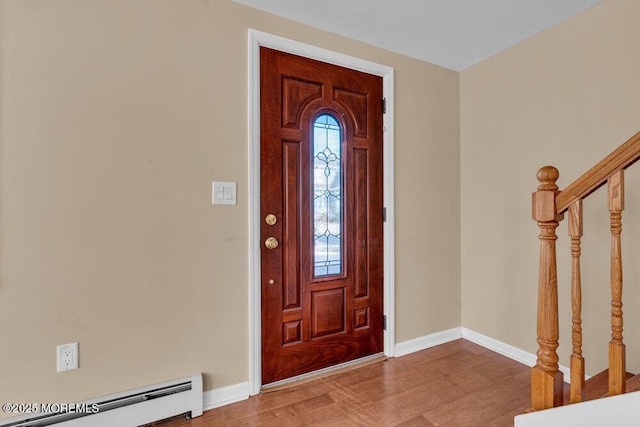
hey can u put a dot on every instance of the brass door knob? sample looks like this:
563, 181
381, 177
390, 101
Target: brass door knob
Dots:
271, 243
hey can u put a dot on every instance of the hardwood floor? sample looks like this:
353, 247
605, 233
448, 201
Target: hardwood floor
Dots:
454, 384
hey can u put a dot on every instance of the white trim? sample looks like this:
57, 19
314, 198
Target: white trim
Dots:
257, 39
225, 395
509, 351
427, 341
432, 340
389, 265
255, 328
500, 347
237, 392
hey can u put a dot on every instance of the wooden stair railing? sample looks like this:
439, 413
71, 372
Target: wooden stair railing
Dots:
549, 205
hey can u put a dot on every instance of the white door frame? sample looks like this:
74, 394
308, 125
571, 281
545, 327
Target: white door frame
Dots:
257, 39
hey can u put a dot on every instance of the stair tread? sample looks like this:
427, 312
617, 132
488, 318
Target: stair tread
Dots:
598, 386
633, 384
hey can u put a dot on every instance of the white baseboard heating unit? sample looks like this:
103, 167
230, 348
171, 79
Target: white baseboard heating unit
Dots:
132, 408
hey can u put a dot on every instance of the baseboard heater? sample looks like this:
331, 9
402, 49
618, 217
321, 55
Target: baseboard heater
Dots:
132, 408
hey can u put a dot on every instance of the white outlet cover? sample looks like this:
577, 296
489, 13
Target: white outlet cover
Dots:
67, 357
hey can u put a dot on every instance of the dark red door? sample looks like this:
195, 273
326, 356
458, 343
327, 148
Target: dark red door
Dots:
321, 207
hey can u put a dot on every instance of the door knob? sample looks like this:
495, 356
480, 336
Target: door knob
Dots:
271, 243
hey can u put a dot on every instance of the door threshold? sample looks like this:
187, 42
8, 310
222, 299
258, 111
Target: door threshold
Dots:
322, 373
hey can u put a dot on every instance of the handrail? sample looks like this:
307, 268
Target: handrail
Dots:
549, 205
623, 157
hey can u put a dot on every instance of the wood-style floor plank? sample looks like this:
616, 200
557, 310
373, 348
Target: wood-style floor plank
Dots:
454, 384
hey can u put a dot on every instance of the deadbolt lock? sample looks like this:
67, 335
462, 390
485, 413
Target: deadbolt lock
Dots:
270, 219
271, 243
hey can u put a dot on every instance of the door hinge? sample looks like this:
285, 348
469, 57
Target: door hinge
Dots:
384, 105
384, 322
384, 214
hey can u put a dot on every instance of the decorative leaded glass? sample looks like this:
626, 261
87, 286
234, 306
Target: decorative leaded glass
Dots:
327, 194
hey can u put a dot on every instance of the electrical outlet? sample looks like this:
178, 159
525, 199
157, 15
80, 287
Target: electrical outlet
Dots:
67, 357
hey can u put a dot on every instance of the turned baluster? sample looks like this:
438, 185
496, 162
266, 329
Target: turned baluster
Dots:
617, 357
546, 379
577, 392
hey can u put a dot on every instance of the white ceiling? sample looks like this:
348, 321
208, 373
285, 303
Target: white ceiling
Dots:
454, 34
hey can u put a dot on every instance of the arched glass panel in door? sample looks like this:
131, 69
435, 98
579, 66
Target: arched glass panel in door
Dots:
327, 196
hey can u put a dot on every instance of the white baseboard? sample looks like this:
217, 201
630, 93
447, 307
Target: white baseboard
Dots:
509, 351
427, 341
237, 392
500, 347
225, 395
431, 340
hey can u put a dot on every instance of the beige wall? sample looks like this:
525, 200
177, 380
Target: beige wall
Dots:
565, 97
115, 117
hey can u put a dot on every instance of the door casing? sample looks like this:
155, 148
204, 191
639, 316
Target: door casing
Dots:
257, 39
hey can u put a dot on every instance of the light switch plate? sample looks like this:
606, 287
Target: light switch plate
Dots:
224, 193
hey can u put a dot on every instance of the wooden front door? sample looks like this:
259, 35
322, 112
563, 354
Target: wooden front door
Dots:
321, 206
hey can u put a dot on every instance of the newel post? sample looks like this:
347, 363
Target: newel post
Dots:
546, 379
